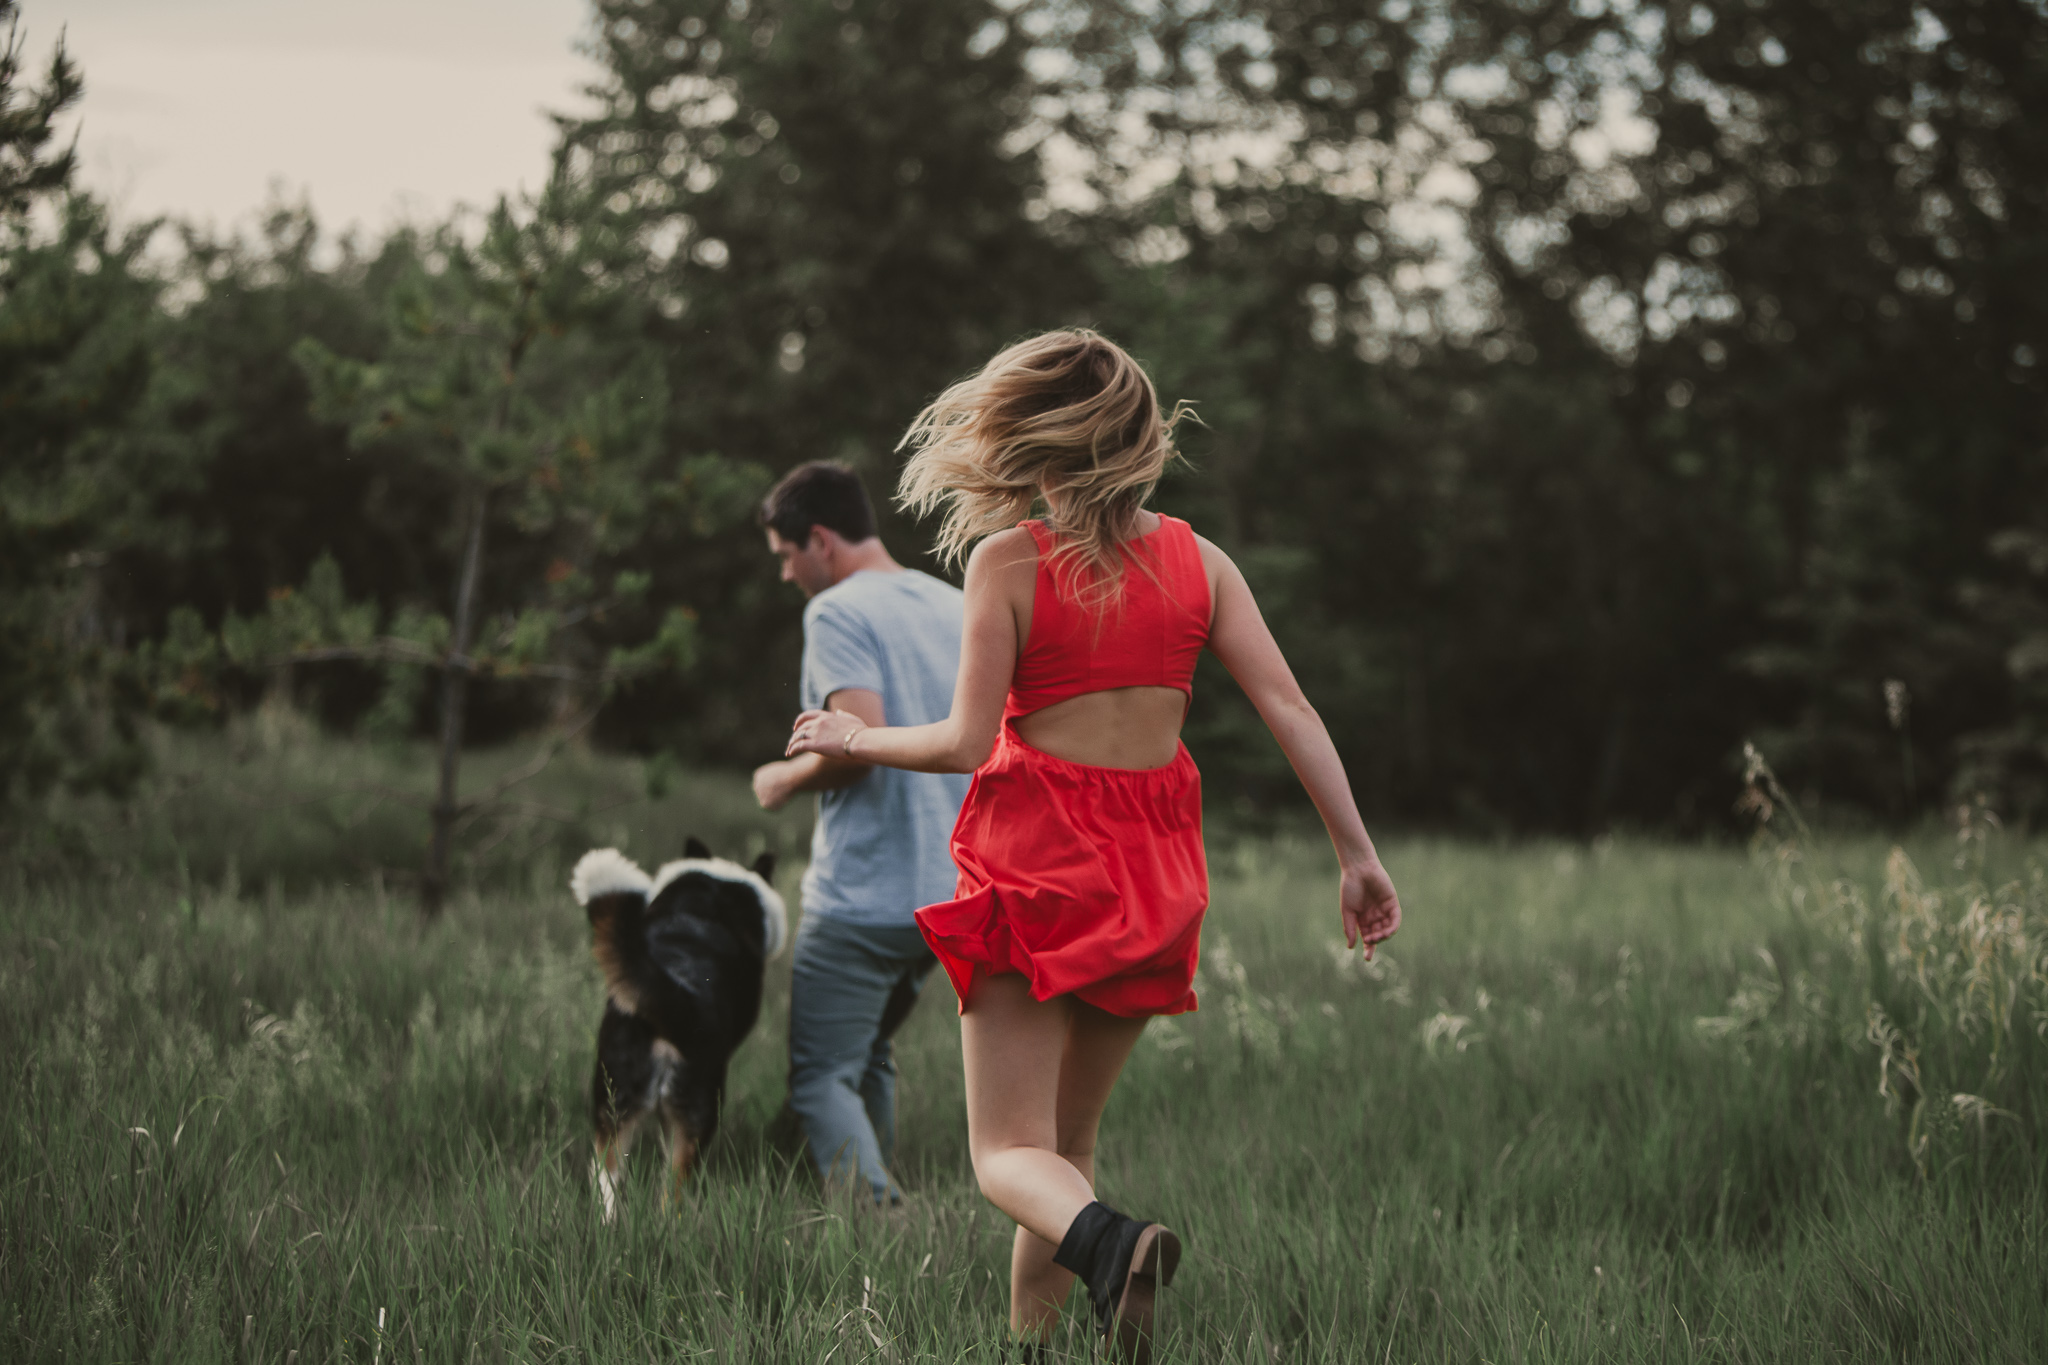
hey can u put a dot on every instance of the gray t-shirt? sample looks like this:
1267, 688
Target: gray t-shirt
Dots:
883, 846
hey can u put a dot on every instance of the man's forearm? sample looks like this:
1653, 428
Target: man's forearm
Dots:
818, 773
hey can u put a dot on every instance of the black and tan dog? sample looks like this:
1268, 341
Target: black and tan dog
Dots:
682, 953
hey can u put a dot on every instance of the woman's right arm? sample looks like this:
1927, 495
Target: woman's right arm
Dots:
1000, 575
1242, 642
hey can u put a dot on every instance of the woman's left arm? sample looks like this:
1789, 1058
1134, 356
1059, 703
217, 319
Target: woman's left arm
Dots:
1238, 636
960, 743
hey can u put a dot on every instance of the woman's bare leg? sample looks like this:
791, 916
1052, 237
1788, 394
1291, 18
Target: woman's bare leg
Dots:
1098, 1044
1039, 1074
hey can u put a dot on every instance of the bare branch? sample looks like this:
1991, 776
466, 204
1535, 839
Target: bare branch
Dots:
539, 762
392, 650
388, 649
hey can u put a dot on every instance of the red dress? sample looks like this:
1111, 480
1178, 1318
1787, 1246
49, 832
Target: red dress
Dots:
1088, 881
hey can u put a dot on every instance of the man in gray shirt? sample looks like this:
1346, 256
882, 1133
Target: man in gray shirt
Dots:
882, 642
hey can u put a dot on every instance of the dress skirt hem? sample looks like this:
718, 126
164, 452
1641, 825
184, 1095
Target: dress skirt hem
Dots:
1087, 881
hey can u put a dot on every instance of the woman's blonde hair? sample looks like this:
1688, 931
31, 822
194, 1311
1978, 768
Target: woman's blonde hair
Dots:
1068, 411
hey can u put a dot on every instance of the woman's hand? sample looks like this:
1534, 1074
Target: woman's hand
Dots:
1372, 910
823, 732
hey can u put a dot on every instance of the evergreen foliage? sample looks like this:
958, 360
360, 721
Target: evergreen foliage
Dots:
513, 374
75, 484
836, 228
1585, 387
28, 120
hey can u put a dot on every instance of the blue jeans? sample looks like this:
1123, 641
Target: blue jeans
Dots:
851, 986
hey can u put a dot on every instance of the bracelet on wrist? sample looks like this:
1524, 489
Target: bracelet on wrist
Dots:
846, 745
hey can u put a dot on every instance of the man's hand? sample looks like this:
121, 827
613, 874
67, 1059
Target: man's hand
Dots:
774, 784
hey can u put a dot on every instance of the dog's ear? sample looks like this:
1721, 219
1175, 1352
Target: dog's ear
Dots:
764, 867
693, 847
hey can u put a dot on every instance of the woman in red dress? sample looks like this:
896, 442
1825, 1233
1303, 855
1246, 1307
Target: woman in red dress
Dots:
1082, 876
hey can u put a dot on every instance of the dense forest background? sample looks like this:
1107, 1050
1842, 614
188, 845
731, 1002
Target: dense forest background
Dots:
1585, 387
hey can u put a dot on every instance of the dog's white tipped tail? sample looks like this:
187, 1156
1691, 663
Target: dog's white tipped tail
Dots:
606, 872
774, 922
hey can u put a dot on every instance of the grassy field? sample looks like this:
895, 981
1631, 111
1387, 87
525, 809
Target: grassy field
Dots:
1617, 1102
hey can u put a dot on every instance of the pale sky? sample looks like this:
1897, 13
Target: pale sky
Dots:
378, 111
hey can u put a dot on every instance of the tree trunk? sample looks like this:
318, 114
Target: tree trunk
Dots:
454, 700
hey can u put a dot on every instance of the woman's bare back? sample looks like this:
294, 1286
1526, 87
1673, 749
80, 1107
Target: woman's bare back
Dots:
1124, 727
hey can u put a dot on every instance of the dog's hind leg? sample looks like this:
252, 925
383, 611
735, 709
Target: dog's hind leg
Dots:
613, 1143
689, 1109
619, 1098
682, 1155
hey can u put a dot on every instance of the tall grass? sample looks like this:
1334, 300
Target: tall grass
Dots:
248, 1116
1945, 977
270, 806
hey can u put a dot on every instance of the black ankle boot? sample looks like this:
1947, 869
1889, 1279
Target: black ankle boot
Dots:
1100, 1247
1097, 1248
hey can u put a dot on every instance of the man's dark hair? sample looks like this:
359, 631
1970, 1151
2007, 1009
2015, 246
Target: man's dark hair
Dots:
820, 493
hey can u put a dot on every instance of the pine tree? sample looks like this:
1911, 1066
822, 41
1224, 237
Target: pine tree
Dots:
514, 374
842, 224
28, 120
75, 366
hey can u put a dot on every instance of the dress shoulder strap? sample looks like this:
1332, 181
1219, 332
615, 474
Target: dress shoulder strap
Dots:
1187, 578
1177, 538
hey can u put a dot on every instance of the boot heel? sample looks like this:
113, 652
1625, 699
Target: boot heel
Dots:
1169, 1256
1153, 1261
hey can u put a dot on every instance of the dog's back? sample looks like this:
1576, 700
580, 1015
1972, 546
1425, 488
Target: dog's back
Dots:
683, 954
706, 940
